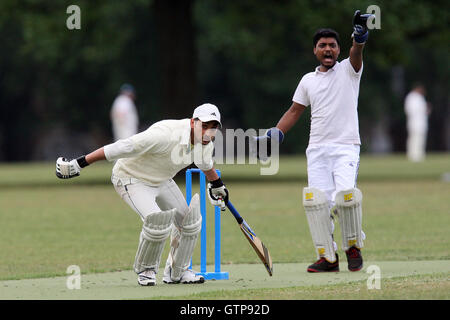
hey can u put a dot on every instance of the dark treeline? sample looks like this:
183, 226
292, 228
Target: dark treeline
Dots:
57, 85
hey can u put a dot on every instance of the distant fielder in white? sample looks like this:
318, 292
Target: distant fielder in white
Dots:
142, 176
124, 116
417, 111
334, 144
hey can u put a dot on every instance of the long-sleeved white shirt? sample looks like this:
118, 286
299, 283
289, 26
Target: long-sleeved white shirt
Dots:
159, 153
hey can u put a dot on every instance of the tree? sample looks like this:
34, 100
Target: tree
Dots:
176, 53
245, 56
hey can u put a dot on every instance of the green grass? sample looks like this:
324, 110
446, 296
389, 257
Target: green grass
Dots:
48, 224
292, 168
372, 168
423, 287
46, 229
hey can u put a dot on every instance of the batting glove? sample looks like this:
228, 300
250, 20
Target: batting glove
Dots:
218, 194
360, 30
66, 169
255, 143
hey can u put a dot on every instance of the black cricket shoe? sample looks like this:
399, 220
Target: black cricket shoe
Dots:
354, 259
323, 265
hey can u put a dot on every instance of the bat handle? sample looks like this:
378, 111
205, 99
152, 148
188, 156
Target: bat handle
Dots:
235, 213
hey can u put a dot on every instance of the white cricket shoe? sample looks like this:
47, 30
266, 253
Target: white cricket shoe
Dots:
147, 278
188, 276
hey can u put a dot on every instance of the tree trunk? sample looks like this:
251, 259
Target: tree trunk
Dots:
175, 45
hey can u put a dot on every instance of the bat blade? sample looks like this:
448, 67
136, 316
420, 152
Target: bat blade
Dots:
259, 247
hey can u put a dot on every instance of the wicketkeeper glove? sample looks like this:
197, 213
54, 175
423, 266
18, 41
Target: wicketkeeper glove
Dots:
218, 193
360, 30
66, 169
255, 143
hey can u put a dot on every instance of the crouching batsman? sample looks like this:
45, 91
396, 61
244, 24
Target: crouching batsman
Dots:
334, 144
142, 176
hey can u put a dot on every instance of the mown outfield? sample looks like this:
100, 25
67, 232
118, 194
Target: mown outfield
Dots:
48, 224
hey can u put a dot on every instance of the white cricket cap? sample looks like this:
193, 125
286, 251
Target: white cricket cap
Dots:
207, 112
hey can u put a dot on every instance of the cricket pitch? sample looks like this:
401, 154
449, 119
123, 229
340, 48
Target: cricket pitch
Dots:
123, 284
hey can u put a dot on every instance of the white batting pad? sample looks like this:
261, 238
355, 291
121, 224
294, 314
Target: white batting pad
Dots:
349, 209
184, 240
155, 231
318, 215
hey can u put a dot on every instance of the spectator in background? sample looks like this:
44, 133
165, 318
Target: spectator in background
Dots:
417, 111
124, 115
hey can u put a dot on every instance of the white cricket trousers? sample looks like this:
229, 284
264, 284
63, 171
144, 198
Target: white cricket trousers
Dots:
145, 199
416, 143
332, 168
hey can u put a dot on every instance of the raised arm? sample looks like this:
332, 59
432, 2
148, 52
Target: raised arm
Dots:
359, 35
356, 55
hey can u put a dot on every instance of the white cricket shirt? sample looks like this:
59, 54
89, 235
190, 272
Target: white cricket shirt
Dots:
416, 111
333, 97
124, 117
158, 153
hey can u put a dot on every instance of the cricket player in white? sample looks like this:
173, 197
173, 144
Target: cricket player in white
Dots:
334, 144
142, 176
124, 116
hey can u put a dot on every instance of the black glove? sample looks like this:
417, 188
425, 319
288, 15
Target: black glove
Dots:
360, 30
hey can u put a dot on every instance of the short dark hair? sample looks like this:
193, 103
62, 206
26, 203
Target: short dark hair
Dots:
127, 87
326, 33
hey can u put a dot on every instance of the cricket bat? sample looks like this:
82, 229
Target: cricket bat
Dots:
257, 245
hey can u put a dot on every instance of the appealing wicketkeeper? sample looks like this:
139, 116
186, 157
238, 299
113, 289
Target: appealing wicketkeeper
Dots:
333, 152
142, 176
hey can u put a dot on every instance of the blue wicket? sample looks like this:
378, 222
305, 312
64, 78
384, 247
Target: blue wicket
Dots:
217, 274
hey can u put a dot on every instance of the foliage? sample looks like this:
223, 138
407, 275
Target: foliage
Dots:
250, 56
